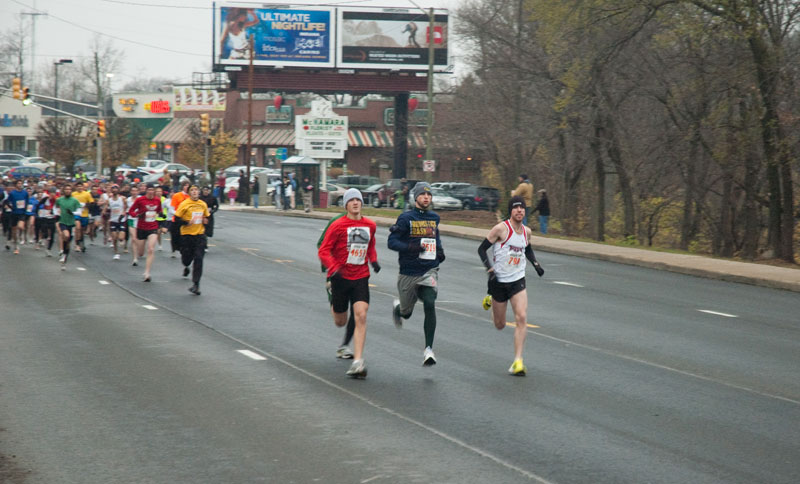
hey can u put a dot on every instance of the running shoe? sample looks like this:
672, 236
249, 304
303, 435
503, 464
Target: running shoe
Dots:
16, 251
186, 271
116, 256
428, 358
126, 250
357, 370
48, 253
62, 259
517, 368
344, 353
21, 242
146, 277
398, 320
135, 263
160, 249
487, 302
63, 266
195, 289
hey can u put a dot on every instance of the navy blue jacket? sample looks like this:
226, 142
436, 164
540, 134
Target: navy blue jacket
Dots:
405, 236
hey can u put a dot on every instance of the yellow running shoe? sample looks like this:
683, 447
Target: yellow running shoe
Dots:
517, 368
487, 302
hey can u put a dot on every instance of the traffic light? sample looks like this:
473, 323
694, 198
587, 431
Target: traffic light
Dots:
16, 86
204, 123
25, 98
101, 128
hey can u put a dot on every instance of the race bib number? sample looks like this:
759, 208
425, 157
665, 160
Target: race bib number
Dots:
357, 243
43, 213
357, 254
197, 218
428, 249
116, 212
514, 258
30, 208
56, 211
20, 203
150, 216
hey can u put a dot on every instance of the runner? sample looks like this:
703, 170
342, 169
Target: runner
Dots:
67, 207
415, 236
117, 208
46, 220
344, 352
5, 213
31, 234
162, 215
510, 243
175, 231
82, 217
134, 194
146, 209
18, 201
95, 207
346, 248
213, 206
192, 215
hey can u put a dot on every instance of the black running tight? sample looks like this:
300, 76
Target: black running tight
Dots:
428, 297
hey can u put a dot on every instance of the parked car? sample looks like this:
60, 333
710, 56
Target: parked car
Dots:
474, 197
376, 195
233, 182
38, 162
233, 171
449, 185
357, 181
335, 194
21, 172
442, 200
10, 163
11, 157
151, 166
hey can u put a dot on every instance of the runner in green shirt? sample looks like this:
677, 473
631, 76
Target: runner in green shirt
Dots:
67, 206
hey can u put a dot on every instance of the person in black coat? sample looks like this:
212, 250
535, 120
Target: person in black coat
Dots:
213, 206
543, 207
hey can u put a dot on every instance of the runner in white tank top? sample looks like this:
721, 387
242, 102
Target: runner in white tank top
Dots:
510, 243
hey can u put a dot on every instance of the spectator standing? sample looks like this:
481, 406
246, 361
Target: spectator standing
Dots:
221, 187
244, 184
543, 207
256, 188
308, 194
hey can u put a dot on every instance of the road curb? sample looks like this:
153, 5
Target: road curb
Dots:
693, 265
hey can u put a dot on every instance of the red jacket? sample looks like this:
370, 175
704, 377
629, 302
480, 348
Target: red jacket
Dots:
348, 246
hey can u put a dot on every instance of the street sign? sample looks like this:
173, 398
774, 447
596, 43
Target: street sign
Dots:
428, 165
311, 127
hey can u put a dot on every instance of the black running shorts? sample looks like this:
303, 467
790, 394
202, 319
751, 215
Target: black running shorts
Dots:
502, 291
346, 291
143, 234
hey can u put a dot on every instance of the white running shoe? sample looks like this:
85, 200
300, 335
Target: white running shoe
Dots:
344, 353
48, 253
398, 320
160, 249
63, 259
116, 256
428, 358
357, 370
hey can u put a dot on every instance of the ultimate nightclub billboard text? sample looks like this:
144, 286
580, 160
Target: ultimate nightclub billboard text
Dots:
327, 37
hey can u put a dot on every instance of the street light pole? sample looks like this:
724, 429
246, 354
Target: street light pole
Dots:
429, 137
55, 72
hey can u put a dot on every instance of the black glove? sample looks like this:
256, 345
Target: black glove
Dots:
121, 218
440, 254
415, 247
376, 267
538, 267
492, 276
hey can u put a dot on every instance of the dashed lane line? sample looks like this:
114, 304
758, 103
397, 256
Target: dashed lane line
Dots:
252, 355
716, 313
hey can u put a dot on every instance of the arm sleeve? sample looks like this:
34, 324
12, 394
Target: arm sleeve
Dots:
324, 251
482, 253
398, 236
372, 253
529, 254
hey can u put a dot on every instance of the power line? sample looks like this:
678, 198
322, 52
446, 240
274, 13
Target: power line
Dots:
74, 24
137, 4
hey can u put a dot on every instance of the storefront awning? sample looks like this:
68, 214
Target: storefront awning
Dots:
266, 137
374, 138
177, 131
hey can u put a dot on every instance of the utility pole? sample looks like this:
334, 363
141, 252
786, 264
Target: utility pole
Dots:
99, 159
33, 16
429, 134
246, 188
55, 72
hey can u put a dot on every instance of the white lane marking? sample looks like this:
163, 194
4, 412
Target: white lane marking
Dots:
105, 283
151, 308
252, 355
81, 268
718, 314
365, 481
567, 283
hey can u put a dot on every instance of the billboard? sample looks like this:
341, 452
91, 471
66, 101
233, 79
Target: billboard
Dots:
283, 36
376, 38
187, 98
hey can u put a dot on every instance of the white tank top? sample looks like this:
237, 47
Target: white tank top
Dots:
116, 208
509, 255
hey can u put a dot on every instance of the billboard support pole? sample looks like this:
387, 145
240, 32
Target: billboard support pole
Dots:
400, 135
429, 137
246, 188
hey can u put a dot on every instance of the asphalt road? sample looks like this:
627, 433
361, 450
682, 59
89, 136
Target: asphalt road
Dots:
635, 375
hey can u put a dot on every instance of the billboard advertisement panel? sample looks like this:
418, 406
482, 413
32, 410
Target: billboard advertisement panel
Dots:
283, 36
390, 38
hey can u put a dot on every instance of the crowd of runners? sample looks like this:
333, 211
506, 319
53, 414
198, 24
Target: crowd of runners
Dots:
346, 249
62, 216
131, 219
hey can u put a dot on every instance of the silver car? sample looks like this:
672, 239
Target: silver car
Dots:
443, 201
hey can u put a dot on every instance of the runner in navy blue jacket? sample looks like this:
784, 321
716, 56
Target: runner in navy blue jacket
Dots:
415, 236
18, 200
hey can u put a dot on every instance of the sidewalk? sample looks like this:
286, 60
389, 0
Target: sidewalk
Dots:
695, 265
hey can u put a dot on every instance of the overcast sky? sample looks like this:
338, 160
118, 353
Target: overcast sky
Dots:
159, 38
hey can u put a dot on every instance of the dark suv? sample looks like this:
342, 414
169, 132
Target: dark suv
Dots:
477, 198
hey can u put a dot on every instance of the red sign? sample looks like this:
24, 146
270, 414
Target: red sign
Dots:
438, 34
159, 107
